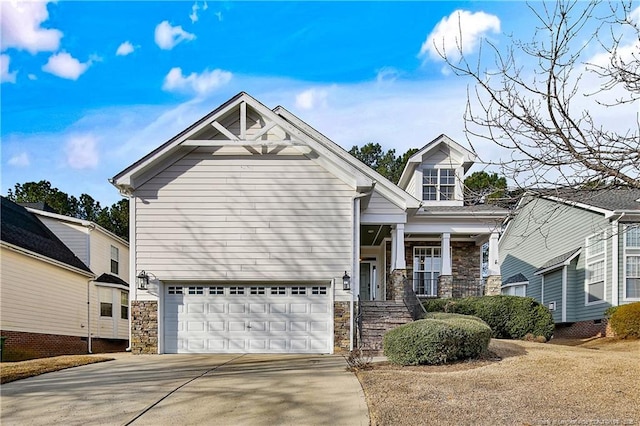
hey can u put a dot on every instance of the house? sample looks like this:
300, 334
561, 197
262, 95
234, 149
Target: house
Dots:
48, 295
253, 232
107, 255
575, 251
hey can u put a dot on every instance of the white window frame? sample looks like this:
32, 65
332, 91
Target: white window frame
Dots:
629, 251
512, 289
434, 274
595, 255
439, 184
115, 257
124, 305
105, 296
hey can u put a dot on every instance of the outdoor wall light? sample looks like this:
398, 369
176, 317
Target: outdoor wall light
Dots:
143, 280
346, 281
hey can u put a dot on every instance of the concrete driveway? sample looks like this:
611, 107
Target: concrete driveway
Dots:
191, 390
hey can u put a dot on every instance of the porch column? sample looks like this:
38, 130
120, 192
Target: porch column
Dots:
400, 261
493, 268
445, 246
394, 236
494, 280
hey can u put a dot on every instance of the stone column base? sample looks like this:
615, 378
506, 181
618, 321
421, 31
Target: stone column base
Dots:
493, 285
397, 280
341, 327
445, 286
144, 327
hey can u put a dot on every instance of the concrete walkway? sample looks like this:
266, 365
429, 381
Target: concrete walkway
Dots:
191, 390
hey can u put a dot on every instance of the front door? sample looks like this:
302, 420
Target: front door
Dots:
368, 280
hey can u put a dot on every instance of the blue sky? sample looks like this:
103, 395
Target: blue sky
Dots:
90, 87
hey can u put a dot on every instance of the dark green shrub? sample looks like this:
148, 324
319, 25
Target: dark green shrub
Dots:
449, 315
436, 341
436, 305
610, 310
510, 317
625, 321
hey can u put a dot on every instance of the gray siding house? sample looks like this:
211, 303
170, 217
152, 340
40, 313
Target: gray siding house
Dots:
577, 252
254, 233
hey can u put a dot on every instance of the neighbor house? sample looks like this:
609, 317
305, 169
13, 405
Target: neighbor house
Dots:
253, 232
575, 251
107, 256
49, 297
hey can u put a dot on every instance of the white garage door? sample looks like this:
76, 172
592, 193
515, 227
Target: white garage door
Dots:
247, 318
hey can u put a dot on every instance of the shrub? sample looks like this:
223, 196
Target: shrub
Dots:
510, 317
625, 321
436, 341
609, 311
436, 305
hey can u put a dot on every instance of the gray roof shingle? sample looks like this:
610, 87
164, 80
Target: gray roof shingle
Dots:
517, 278
558, 260
606, 198
23, 229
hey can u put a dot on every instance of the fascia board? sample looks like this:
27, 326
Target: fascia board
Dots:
605, 212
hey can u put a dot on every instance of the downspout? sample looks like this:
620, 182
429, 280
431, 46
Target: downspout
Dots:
89, 316
356, 255
133, 285
615, 261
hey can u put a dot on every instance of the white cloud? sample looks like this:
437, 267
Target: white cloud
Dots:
66, 66
311, 98
20, 160
462, 30
125, 49
200, 84
387, 74
218, 15
32, 77
167, 36
5, 75
82, 152
20, 26
194, 13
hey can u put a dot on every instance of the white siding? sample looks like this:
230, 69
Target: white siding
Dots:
249, 217
108, 327
101, 255
380, 205
38, 297
73, 235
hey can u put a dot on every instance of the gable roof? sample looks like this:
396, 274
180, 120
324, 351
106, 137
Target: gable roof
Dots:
468, 157
22, 229
607, 199
515, 279
111, 279
325, 152
75, 220
558, 261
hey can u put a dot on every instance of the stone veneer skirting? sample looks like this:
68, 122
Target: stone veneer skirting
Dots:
144, 327
341, 327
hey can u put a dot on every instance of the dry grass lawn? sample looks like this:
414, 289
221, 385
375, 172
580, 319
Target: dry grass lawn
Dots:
591, 383
11, 371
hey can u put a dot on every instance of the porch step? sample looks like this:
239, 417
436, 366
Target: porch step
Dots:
377, 319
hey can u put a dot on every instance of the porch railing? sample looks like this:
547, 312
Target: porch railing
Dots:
428, 287
412, 302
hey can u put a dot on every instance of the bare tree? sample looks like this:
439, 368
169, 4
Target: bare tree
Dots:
548, 117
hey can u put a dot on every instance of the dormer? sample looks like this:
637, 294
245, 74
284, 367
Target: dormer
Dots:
435, 174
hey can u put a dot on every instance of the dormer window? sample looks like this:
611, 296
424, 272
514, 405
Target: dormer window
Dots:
438, 184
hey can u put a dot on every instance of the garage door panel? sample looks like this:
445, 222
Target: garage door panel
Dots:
247, 319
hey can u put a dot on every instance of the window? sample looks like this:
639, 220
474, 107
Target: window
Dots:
515, 290
115, 256
426, 270
236, 290
257, 290
632, 277
298, 290
632, 262
438, 184
106, 302
216, 290
595, 268
196, 290
174, 290
124, 305
318, 290
279, 291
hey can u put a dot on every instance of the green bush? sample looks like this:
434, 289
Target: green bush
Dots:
436, 305
625, 321
510, 317
436, 341
609, 311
